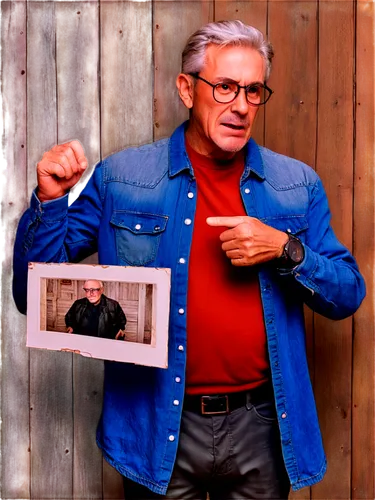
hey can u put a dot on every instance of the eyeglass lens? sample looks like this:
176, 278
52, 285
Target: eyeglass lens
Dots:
227, 92
91, 290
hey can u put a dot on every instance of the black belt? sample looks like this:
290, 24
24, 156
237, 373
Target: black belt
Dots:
217, 404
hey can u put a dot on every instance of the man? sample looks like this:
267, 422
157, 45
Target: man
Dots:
246, 233
96, 315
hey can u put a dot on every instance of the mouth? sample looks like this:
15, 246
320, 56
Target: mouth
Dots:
233, 126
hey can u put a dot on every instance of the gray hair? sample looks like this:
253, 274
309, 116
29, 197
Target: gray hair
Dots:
224, 33
101, 284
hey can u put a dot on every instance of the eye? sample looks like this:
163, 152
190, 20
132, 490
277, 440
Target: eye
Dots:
254, 90
226, 88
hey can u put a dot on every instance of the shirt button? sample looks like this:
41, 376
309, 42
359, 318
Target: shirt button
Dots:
157, 228
171, 437
180, 347
187, 222
176, 402
178, 379
190, 195
283, 415
182, 260
181, 311
247, 190
137, 227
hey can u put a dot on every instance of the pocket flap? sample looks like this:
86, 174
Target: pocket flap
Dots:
291, 224
138, 222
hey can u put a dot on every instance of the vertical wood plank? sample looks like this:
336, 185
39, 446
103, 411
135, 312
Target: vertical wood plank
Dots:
126, 69
50, 372
43, 302
141, 313
126, 104
291, 117
15, 463
77, 50
112, 483
88, 395
78, 113
174, 22
254, 13
363, 439
333, 340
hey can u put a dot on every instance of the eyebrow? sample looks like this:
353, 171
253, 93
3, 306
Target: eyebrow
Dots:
220, 79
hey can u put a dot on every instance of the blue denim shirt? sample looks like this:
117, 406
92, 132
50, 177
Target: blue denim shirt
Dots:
153, 187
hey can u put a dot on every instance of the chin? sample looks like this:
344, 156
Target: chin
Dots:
231, 145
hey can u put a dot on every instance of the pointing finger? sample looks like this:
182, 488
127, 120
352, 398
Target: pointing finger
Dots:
226, 221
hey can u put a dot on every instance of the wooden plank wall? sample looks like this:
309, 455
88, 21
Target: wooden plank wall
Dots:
103, 71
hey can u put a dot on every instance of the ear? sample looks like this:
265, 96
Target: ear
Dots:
185, 89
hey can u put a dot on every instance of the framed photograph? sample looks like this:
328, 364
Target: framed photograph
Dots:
107, 312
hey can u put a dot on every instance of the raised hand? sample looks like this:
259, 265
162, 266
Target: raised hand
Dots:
60, 169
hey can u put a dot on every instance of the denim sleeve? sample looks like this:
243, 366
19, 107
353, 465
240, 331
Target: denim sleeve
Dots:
329, 272
54, 232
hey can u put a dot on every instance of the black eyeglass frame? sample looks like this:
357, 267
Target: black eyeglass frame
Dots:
91, 290
239, 87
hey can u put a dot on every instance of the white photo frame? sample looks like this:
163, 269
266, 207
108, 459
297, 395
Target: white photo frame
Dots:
151, 307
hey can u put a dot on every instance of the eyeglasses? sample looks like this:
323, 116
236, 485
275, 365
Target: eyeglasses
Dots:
226, 92
91, 290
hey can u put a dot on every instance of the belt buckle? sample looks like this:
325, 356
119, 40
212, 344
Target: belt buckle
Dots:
205, 401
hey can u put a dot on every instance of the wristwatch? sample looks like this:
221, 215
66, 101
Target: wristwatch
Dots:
293, 254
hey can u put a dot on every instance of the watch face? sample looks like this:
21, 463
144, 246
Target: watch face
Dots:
295, 251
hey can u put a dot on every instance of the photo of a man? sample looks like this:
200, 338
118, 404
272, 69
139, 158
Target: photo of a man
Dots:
96, 315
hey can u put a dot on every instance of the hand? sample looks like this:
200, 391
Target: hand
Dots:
120, 333
248, 241
60, 169
69, 329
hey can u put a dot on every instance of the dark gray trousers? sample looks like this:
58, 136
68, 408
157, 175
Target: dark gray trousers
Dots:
234, 456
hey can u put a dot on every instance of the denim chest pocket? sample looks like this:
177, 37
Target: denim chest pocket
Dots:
137, 236
297, 225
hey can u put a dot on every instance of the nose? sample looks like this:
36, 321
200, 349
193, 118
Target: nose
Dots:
240, 104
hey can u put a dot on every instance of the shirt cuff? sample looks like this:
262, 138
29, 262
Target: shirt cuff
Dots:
304, 272
51, 210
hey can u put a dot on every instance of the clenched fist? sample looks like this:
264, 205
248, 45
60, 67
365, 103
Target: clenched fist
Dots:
60, 169
249, 241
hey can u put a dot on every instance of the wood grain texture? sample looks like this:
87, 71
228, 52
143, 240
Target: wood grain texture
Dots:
174, 22
253, 13
87, 396
112, 483
363, 439
126, 104
291, 118
51, 416
78, 113
15, 463
77, 50
126, 72
333, 340
141, 313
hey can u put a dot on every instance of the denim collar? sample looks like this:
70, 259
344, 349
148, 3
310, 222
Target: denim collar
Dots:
179, 160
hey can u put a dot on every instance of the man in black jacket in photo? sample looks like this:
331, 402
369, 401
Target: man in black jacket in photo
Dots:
96, 315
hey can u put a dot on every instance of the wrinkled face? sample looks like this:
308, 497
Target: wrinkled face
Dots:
93, 291
219, 128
